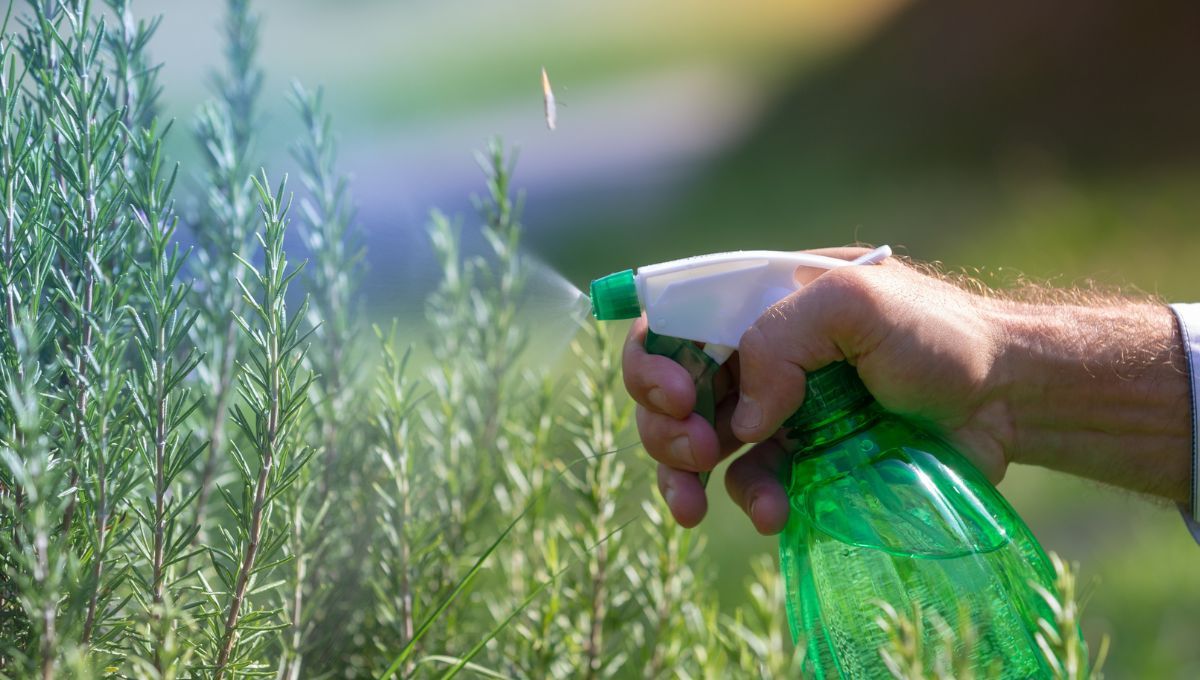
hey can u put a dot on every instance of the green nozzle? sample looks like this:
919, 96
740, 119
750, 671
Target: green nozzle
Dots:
615, 297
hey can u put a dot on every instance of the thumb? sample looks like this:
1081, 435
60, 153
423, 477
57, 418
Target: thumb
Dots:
809, 329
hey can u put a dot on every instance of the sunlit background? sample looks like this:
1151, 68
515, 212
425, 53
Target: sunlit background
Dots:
1055, 140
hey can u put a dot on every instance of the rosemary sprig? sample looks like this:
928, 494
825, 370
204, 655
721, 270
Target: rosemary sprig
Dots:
1058, 635
325, 593
600, 417
225, 132
161, 394
40, 567
91, 297
273, 387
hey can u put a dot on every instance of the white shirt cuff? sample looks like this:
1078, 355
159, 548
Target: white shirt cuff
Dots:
1189, 328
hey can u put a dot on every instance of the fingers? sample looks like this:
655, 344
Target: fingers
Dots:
772, 384
684, 495
821, 323
831, 319
687, 444
655, 382
690, 443
755, 483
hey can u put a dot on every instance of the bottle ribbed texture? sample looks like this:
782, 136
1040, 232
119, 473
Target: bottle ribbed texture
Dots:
829, 393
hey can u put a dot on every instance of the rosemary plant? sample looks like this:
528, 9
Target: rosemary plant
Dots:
40, 568
754, 636
225, 131
326, 593
909, 634
329, 233
671, 596
27, 248
405, 554
1057, 639
538, 551
90, 296
273, 385
134, 92
163, 400
476, 341
599, 418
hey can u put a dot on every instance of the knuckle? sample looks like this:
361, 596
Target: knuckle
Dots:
854, 293
848, 282
754, 343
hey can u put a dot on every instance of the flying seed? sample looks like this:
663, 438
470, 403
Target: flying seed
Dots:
551, 107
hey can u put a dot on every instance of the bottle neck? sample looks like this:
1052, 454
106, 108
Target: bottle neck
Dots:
833, 427
836, 404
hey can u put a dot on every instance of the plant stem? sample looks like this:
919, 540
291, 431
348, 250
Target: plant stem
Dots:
98, 558
406, 594
301, 559
275, 399
87, 165
160, 486
10, 219
260, 497
661, 614
49, 612
595, 643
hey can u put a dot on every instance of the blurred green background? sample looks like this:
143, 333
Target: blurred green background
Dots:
1056, 141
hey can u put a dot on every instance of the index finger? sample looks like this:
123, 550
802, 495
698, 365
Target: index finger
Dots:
655, 382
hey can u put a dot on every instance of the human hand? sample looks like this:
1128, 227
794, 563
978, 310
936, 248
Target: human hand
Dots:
982, 371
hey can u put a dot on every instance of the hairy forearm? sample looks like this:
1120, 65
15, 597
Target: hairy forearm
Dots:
1098, 389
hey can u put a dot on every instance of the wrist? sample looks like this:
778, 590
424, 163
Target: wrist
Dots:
1096, 390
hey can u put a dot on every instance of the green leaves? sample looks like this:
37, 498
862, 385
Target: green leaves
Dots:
1058, 636
274, 390
223, 233
163, 400
39, 567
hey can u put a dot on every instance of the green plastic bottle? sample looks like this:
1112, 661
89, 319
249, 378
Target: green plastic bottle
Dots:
882, 512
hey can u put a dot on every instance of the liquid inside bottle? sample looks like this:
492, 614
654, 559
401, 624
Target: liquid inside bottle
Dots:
883, 512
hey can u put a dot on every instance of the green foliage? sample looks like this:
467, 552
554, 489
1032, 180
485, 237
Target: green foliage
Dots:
164, 403
909, 636
225, 132
273, 390
1063, 650
200, 478
41, 568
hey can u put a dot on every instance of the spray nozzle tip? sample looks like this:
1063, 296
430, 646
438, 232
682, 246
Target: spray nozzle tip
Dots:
615, 297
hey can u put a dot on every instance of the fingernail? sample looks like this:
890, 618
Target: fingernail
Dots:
658, 399
681, 451
748, 415
668, 493
753, 502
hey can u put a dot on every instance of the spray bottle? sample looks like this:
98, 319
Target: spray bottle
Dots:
883, 512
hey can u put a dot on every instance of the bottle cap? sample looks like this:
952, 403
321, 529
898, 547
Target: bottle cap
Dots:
615, 297
829, 393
